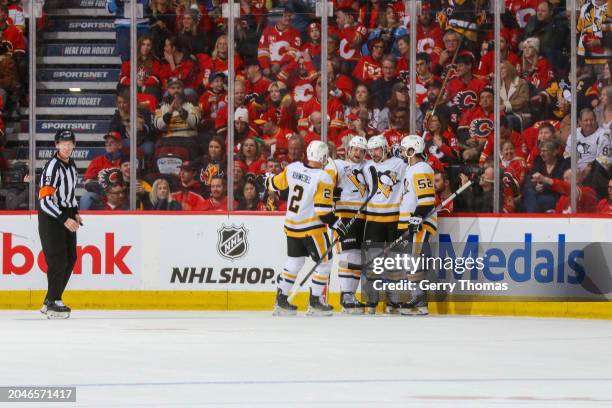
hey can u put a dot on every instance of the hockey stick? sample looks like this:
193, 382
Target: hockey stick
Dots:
405, 235
349, 224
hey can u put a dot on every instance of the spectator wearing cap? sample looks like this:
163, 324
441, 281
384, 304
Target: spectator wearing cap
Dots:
212, 100
275, 137
464, 89
256, 84
191, 34
143, 188
514, 96
278, 45
110, 159
188, 181
148, 69
177, 118
120, 122
160, 198
218, 196
436, 102
311, 49
250, 155
535, 69
177, 63
382, 87
242, 127
369, 68
163, 23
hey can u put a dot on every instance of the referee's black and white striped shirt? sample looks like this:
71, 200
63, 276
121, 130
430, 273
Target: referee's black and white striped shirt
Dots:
58, 188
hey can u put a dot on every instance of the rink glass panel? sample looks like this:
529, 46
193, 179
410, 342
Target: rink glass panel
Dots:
80, 51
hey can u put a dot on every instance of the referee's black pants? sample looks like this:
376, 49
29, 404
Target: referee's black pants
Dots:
59, 247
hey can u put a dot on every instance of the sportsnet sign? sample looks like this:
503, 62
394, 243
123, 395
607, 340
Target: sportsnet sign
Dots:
79, 75
84, 25
78, 126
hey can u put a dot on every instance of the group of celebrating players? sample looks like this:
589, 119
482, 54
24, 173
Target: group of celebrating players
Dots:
366, 203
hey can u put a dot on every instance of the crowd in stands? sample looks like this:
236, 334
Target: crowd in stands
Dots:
182, 82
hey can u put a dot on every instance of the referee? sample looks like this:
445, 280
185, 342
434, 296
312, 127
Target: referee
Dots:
58, 221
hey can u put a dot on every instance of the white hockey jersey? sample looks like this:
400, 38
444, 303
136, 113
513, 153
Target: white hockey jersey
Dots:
310, 198
594, 147
384, 206
351, 179
418, 190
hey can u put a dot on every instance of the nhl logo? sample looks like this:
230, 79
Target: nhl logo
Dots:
232, 243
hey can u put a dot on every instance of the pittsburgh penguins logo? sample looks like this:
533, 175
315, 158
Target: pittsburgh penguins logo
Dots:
465, 99
582, 148
357, 178
481, 128
386, 182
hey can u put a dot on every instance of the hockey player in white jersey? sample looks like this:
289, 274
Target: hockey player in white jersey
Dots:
418, 199
351, 192
382, 213
309, 211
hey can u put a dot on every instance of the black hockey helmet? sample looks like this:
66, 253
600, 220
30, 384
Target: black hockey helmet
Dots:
65, 135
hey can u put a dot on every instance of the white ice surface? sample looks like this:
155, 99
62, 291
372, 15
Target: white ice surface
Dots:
230, 359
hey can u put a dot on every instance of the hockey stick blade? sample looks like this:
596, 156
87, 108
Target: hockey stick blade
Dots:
374, 176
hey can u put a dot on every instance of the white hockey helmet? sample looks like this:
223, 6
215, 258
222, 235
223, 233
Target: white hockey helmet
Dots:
414, 142
317, 151
378, 141
359, 142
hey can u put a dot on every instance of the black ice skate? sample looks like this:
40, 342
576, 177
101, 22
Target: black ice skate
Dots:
318, 308
350, 304
282, 307
371, 308
44, 307
417, 306
57, 310
392, 308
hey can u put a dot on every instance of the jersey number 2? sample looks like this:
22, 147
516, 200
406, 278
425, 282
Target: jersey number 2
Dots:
294, 204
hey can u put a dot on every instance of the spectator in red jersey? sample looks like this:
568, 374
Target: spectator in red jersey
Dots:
163, 23
250, 199
352, 35
311, 49
464, 89
12, 36
605, 205
115, 198
188, 181
440, 142
251, 156
213, 99
545, 131
400, 127
423, 78
220, 57
110, 159
179, 64
282, 106
513, 174
486, 66
369, 68
429, 34
335, 112
218, 196
506, 133
443, 191
383, 88
148, 70
189, 200
191, 34
257, 84
535, 69
538, 197
514, 95
586, 196
476, 124
314, 129
275, 137
160, 198
278, 45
